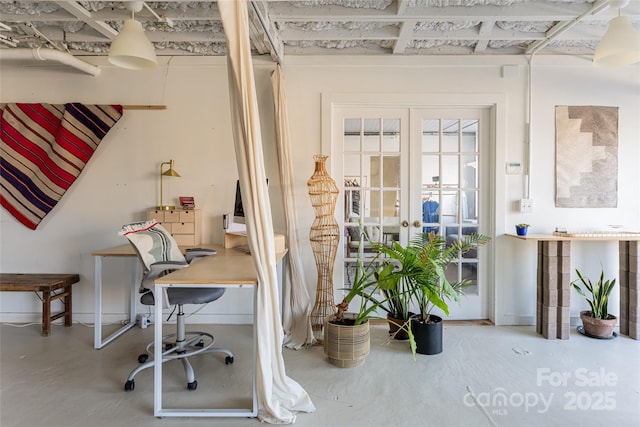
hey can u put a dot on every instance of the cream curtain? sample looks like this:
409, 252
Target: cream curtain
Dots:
279, 396
297, 304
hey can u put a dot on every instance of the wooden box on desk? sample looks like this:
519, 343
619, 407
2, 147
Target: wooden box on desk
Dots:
234, 239
185, 225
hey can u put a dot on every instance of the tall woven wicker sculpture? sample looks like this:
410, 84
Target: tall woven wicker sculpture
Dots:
325, 238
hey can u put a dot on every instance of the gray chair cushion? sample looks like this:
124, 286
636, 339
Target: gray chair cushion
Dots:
186, 296
354, 234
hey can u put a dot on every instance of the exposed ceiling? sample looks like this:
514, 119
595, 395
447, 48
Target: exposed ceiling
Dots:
324, 27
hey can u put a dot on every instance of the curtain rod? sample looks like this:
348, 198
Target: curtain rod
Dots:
124, 107
144, 107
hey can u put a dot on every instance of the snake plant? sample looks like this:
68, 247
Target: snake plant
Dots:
598, 293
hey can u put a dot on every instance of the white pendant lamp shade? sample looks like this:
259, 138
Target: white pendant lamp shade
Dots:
131, 49
620, 44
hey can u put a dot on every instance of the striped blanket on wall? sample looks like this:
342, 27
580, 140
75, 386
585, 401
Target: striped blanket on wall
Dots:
43, 149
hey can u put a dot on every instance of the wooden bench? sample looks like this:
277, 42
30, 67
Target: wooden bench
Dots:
47, 284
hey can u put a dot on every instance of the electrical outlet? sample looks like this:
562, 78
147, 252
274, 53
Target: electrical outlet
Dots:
143, 320
526, 205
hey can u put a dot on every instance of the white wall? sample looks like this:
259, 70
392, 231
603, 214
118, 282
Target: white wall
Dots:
121, 180
557, 82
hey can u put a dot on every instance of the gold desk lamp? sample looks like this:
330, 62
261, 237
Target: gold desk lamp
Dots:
168, 172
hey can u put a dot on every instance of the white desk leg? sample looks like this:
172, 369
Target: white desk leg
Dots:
281, 267
97, 284
98, 342
158, 295
157, 369
254, 411
133, 302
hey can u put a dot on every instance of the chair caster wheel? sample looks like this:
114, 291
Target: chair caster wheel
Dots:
200, 343
193, 385
168, 347
143, 358
228, 360
129, 385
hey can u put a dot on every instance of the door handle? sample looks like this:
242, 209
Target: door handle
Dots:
416, 223
405, 223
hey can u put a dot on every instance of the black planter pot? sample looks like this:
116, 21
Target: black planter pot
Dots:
428, 336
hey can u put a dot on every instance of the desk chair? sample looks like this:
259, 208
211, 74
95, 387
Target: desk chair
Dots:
160, 254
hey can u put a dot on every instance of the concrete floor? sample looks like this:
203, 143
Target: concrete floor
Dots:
486, 376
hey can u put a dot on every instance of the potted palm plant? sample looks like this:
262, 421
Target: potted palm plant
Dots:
390, 295
597, 322
347, 334
421, 266
395, 299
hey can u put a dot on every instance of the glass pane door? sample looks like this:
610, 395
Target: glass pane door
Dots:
448, 155
406, 171
374, 185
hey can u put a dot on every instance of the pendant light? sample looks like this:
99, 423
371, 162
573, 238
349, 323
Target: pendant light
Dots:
131, 49
620, 45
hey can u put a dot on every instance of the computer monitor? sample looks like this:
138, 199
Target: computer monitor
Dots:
238, 209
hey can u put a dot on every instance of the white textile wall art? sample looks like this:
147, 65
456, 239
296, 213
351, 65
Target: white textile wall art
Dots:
586, 157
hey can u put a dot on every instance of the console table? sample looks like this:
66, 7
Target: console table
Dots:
554, 283
48, 284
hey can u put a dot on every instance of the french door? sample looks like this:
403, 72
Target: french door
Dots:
406, 171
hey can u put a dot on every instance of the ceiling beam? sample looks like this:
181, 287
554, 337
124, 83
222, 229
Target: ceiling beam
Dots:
406, 28
562, 27
403, 6
544, 11
263, 35
401, 27
404, 36
85, 16
484, 35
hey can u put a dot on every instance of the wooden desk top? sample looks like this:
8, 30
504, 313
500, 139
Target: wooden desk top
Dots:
555, 237
219, 269
226, 267
127, 250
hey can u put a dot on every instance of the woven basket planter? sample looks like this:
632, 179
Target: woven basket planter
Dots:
346, 346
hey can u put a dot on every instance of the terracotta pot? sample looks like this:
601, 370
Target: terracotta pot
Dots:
600, 328
394, 328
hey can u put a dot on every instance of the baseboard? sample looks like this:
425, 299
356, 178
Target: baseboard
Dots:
512, 320
515, 320
472, 322
88, 318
